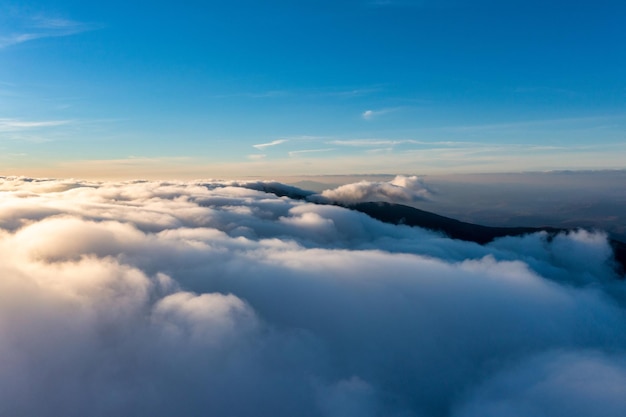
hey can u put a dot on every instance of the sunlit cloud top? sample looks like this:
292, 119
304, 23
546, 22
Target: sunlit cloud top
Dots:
145, 298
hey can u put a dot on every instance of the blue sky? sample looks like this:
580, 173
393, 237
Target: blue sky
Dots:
273, 88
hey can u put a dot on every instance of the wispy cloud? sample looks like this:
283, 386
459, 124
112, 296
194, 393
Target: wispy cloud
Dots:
307, 151
30, 28
333, 92
389, 143
13, 125
379, 150
35, 131
355, 92
258, 94
262, 146
371, 114
371, 142
306, 138
256, 156
45, 22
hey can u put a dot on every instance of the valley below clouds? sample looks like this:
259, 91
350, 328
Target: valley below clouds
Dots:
215, 298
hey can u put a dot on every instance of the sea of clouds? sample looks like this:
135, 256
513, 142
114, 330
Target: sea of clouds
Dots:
217, 299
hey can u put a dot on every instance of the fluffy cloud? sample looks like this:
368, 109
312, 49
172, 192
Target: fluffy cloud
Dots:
554, 384
217, 298
399, 190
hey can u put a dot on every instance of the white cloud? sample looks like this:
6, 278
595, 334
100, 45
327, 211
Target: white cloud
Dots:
29, 28
401, 189
148, 298
367, 114
262, 146
11, 125
368, 142
365, 143
308, 151
371, 114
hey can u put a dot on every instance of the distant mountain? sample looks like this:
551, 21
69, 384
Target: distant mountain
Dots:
411, 216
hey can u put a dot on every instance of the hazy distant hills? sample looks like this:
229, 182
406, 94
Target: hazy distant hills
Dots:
410, 216
401, 214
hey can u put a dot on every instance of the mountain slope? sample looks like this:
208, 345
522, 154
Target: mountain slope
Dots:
410, 216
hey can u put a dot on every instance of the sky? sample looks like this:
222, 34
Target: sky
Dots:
246, 88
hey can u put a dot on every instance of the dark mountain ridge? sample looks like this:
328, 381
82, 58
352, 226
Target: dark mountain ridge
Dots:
411, 216
456, 229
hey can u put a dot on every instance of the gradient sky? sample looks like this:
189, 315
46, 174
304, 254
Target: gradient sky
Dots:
270, 88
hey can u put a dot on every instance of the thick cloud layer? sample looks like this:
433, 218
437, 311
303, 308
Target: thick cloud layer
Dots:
196, 299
